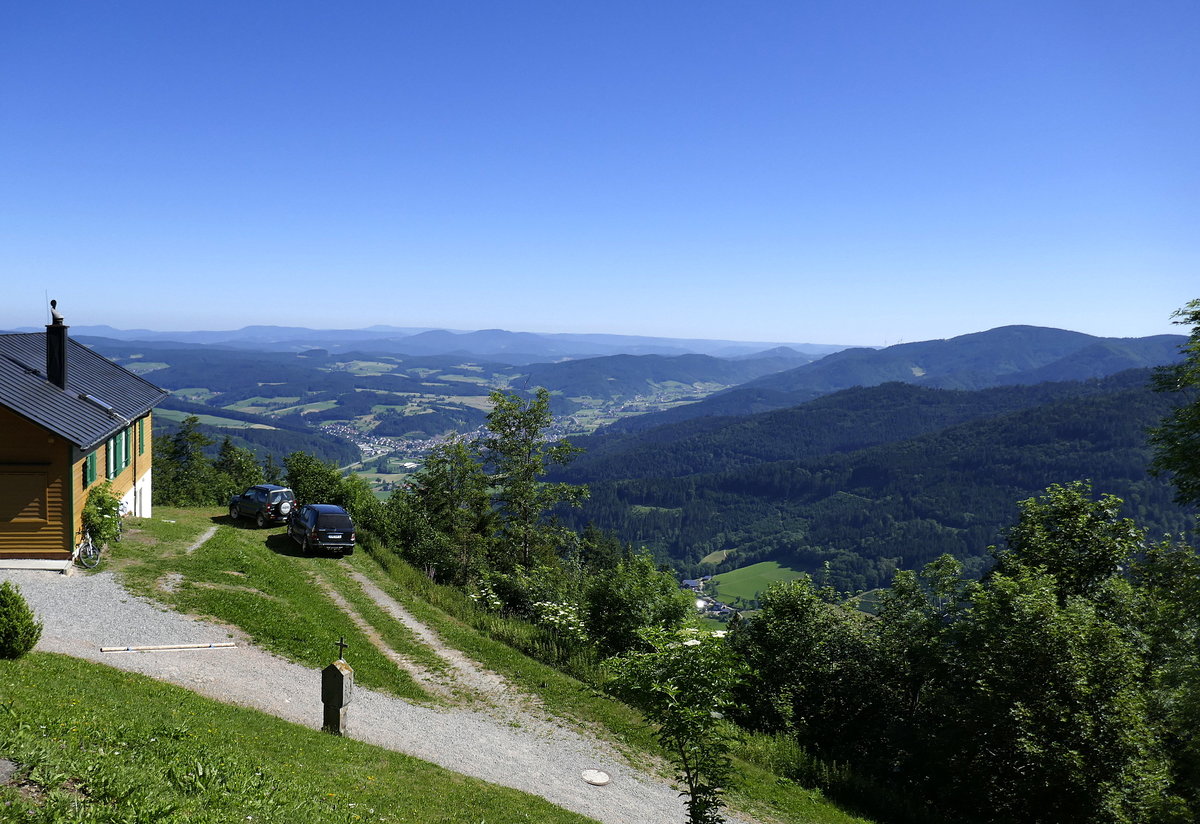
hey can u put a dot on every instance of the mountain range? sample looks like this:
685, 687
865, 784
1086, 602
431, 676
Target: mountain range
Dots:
494, 344
1007, 355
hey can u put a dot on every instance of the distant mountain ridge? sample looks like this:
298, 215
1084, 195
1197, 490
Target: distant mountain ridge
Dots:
1008, 355
496, 344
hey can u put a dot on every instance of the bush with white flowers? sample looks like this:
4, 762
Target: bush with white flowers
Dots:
684, 683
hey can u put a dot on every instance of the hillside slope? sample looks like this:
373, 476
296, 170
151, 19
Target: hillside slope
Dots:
898, 503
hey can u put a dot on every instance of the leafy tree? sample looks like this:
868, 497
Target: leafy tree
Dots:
600, 550
313, 480
1177, 438
1044, 713
355, 495
684, 682
1168, 582
272, 471
633, 596
1041, 710
451, 493
518, 454
1081, 542
183, 476
815, 669
236, 469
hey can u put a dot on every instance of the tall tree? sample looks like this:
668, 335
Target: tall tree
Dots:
451, 493
313, 480
183, 476
236, 469
517, 452
1177, 439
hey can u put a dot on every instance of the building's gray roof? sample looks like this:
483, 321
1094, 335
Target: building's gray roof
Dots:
101, 397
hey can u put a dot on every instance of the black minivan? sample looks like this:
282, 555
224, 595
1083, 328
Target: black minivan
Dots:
322, 527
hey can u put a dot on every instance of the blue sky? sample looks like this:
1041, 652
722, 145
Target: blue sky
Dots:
832, 172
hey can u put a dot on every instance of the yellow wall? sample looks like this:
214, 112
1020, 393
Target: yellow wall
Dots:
123, 482
35, 490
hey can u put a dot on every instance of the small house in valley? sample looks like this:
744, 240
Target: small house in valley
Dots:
69, 419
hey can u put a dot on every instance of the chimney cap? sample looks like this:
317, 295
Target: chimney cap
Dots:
55, 314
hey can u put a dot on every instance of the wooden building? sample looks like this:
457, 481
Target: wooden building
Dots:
69, 419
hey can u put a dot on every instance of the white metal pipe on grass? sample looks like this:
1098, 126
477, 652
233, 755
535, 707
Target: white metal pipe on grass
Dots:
157, 647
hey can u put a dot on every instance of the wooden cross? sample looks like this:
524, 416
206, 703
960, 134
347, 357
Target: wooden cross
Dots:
341, 645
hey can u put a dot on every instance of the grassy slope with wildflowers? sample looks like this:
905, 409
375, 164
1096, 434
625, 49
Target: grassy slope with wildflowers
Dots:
253, 580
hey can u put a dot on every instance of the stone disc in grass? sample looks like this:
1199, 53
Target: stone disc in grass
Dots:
597, 777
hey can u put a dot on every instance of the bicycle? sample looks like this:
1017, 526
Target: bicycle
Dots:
87, 554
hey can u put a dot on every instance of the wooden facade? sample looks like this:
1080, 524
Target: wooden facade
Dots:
44, 482
35, 490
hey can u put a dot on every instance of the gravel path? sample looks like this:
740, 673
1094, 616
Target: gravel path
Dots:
518, 749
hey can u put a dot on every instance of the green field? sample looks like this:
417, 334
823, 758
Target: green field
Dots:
717, 557
210, 420
142, 367
319, 406
364, 367
748, 582
638, 509
198, 394
259, 401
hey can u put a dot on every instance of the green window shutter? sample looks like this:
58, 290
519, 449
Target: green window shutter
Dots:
127, 447
89, 470
108, 459
141, 436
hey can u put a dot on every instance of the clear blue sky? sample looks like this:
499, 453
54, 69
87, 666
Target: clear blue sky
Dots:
832, 172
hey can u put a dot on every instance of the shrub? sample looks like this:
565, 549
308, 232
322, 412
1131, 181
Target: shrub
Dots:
101, 514
19, 627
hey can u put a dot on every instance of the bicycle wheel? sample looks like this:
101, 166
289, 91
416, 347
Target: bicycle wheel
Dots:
89, 554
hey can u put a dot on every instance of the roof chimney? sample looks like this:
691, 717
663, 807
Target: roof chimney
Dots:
56, 348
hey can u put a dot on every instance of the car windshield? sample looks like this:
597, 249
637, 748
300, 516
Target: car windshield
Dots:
283, 495
334, 520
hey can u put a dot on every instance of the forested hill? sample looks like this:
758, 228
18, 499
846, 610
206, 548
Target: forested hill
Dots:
1009, 355
903, 501
843, 421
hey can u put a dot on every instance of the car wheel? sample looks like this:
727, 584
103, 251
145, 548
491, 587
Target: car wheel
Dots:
234, 513
260, 520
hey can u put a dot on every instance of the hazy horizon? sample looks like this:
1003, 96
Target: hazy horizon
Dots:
865, 172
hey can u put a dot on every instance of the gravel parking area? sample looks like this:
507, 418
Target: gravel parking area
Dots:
82, 613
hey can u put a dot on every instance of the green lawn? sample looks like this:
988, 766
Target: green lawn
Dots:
748, 581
